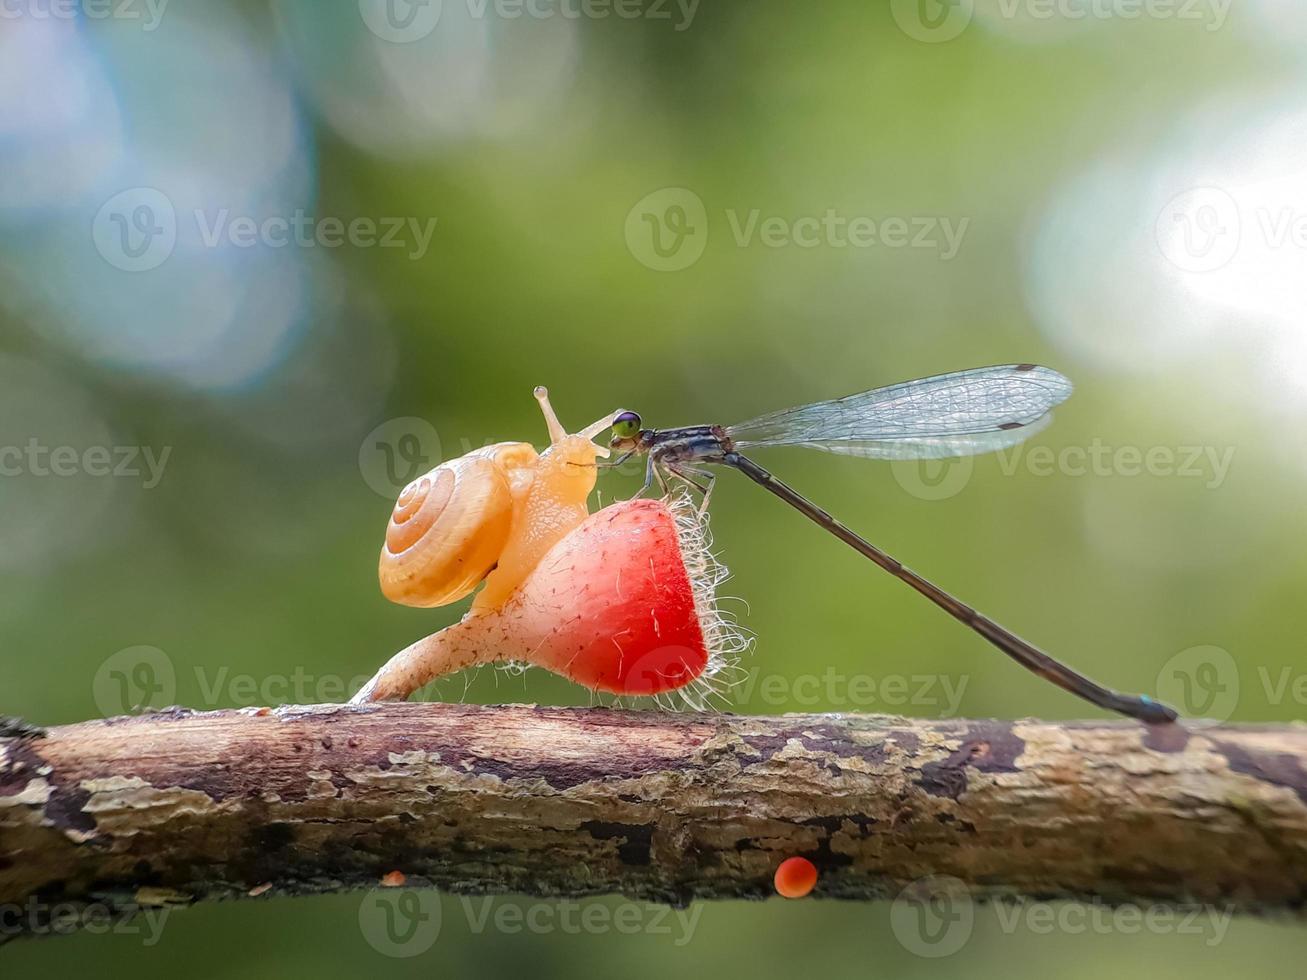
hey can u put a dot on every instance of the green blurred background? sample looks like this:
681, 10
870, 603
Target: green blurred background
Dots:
1128, 187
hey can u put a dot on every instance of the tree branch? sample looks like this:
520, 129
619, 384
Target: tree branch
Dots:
178, 807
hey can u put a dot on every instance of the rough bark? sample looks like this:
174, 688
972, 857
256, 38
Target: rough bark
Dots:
177, 807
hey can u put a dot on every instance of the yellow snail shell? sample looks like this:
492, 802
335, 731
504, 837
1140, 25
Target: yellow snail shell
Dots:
449, 526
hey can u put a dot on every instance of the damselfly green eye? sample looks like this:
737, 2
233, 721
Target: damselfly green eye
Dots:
626, 425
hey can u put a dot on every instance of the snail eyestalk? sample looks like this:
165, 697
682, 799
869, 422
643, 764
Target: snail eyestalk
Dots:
558, 435
596, 427
556, 431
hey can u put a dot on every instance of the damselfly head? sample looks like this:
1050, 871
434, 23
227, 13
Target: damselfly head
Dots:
626, 431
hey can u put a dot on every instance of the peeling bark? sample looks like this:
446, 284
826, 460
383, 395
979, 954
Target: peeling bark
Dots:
178, 807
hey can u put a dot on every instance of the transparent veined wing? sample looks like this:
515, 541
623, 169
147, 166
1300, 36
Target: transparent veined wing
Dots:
958, 414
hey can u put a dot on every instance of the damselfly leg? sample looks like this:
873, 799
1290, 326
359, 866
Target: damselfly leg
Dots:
688, 473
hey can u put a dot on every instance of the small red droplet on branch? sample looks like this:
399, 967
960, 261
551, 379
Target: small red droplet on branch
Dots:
795, 877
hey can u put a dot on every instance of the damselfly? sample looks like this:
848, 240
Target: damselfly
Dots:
959, 414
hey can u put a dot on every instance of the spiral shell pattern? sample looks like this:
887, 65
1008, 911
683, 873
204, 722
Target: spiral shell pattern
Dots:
449, 526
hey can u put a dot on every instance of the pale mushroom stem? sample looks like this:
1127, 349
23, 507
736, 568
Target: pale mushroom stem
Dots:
451, 649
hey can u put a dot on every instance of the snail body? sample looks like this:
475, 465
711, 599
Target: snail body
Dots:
488, 516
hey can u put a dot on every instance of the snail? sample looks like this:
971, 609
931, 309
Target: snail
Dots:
489, 515
622, 601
